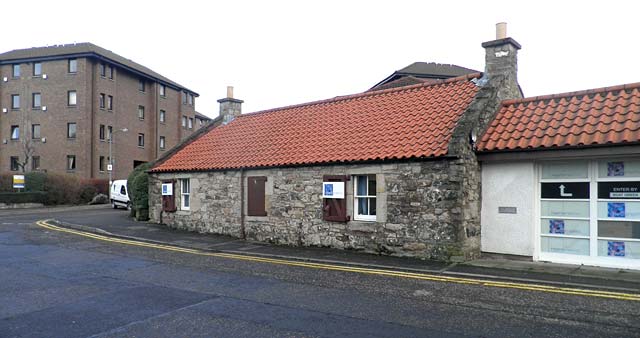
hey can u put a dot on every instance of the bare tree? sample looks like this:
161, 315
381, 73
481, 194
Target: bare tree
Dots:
27, 150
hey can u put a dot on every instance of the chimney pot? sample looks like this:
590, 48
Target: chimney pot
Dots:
229, 92
501, 30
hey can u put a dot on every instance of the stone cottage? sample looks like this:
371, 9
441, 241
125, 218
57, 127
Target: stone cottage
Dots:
389, 171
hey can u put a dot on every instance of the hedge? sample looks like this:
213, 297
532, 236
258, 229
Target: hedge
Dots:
58, 188
23, 197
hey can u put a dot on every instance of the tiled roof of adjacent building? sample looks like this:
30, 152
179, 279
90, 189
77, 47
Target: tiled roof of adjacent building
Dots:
83, 49
400, 123
203, 116
425, 70
605, 116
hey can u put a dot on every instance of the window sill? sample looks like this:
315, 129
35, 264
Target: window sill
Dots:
72, 73
36, 108
72, 106
141, 147
363, 218
249, 218
15, 109
140, 119
36, 76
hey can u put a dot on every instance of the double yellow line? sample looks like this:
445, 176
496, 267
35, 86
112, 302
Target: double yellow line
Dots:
334, 267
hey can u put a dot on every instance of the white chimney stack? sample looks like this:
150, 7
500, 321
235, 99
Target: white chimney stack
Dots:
229, 92
501, 30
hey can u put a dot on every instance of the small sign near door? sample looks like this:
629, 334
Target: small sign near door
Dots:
565, 190
619, 190
332, 189
167, 189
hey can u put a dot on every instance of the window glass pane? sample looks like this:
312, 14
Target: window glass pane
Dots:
72, 98
372, 206
571, 246
363, 206
559, 170
564, 209
619, 229
73, 65
619, 210
71, 130
71, 162
35, 131
560, 226
15, 101
619, 249
15, 132
16, 70
361, 186
619, 168
372, 185
37, 68
36, 100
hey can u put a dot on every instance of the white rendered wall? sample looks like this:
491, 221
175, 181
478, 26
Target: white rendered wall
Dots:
508, 185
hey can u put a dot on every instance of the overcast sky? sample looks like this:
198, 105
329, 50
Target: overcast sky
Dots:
277, 53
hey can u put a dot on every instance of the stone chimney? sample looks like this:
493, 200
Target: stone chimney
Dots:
501, 64
230, 108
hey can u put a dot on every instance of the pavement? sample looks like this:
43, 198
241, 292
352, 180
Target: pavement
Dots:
490, 267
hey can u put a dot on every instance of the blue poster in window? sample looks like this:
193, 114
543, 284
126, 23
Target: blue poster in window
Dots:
615, 249
615, 168
328, 189
556, 226
615, 210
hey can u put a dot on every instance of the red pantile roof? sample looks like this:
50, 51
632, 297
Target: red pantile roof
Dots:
400, 123
604, 116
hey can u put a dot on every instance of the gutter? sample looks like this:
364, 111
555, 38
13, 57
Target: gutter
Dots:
243, 231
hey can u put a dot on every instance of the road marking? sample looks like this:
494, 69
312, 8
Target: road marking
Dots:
335, 267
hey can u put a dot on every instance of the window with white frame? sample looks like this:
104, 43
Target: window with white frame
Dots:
185, 190
590, 208
364, 192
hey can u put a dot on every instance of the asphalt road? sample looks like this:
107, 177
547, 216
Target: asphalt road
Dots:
54, 284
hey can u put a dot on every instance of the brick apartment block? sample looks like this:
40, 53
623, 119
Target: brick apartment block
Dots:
64, 100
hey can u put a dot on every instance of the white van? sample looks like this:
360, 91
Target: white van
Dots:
118, 194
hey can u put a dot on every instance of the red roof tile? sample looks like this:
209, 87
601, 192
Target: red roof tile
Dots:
595, 117
400, 123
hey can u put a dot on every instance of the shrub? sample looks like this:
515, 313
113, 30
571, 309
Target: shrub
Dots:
138, 187
62, 189
6, 182
35, 181
101, 185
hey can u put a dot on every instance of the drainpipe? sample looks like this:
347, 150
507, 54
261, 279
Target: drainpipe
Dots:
242, 228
